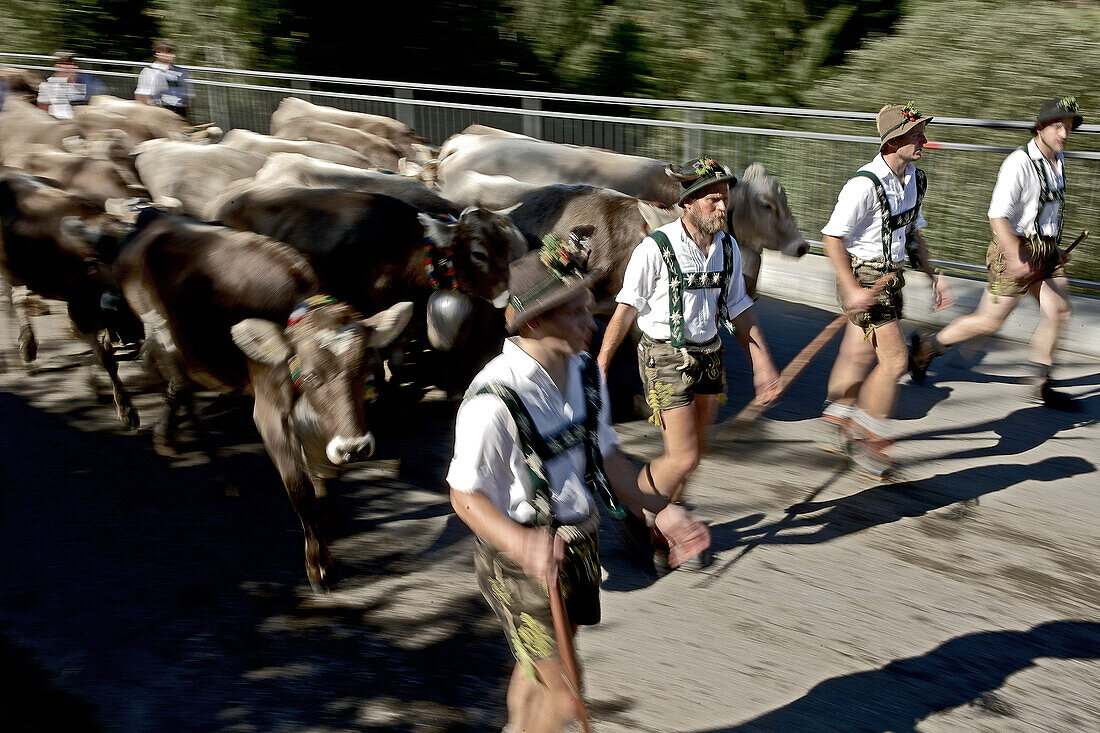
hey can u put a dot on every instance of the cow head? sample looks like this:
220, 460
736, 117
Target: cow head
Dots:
331, 354
482, 245
760, 216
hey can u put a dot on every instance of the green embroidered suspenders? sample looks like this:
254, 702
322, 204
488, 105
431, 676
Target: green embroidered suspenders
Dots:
538, 449
1048, 195
893, 222
678, 282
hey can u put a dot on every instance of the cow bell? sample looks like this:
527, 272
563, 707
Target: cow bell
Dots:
448, 311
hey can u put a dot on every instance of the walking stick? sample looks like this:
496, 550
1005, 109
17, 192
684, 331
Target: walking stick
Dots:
565, 639
732, 426
1082, 238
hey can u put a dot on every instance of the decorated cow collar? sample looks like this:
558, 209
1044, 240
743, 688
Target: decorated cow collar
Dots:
439, 263
313, 302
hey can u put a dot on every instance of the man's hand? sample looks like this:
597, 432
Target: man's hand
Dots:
942, 294
1065, 256
1017, 268
858, 300
765, 379
687, 536
536, 553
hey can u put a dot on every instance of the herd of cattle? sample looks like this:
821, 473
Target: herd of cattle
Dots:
247, 263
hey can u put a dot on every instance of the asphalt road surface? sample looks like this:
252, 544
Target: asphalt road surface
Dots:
962, 596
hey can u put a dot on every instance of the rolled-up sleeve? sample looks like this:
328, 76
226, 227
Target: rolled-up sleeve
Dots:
609, 439
1006, 198
484, 436
855, 202
737, 296
641, 275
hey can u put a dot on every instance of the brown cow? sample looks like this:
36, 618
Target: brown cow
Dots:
400, 134
22, 124
263, 325
56, 244
378, 150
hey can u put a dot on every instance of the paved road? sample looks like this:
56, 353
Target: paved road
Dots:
962, 597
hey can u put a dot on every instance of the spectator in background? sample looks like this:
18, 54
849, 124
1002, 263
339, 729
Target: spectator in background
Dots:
162, 83
66, 87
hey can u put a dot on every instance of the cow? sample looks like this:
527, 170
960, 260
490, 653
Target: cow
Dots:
59, 245
759, 217
378, 150
373, 250
537, 161
266, 145
470, 188
264, 325
407, 142
22, 124
184, 176
93, 178
291, 169
22, 82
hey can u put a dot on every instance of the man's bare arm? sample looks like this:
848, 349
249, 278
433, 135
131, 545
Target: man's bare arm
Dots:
616, 332
531, 547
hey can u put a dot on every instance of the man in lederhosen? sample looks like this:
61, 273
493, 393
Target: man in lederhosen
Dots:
682, 282
1026, 215
877, 218
533, 447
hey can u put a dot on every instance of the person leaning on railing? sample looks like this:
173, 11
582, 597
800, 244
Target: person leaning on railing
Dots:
162, 83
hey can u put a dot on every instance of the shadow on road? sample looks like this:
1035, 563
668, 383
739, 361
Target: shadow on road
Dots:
965, 670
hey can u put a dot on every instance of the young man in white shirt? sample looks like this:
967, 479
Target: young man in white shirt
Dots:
162, 83
66, 87
533, 448
876, 219
683, 282
1026, 214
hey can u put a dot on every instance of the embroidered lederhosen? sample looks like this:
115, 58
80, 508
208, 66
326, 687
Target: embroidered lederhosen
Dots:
1039, 249
888, 306
520, 602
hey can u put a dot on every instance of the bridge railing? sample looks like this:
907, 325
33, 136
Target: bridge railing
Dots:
813, 152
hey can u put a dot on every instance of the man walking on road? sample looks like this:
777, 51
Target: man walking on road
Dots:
1026, 216
682, 282
875, 221
533, 445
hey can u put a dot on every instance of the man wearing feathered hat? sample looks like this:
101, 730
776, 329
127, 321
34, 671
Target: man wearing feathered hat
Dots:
1026, 215
874, 225
533, 448
682, 282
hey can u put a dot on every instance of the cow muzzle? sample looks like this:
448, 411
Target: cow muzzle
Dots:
341, 450
796, 247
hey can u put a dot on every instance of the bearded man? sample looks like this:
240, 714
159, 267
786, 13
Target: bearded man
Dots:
682, 282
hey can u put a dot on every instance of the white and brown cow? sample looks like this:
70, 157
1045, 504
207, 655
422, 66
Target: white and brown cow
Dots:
263, 325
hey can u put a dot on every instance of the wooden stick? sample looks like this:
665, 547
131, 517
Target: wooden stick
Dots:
1082, 238
565, 639
791, 372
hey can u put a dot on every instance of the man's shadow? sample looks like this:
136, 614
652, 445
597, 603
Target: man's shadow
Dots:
966, 669
1019, 431
883, 504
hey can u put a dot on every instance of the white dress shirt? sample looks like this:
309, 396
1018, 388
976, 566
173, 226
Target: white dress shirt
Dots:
1016, 195
645, 285
856, 217
488, 458
59, 93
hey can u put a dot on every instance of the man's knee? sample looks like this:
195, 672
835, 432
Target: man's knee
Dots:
683, 463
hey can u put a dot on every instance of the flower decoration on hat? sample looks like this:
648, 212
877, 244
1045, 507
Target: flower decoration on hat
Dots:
563, 257
705, 167
1069, 104
910, 112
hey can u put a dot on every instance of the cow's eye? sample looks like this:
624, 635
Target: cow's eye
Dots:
479, 256
766, 205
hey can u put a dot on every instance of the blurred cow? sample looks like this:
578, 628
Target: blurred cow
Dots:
266, 145
381, 152
401, 135
184, 176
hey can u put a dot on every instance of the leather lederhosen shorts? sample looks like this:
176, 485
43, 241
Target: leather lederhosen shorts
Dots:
522, 603
669, 383
1042, 252
888, 303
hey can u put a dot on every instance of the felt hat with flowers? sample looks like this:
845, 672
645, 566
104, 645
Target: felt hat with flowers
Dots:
548, 277
1057, 109
895, 120
699, 173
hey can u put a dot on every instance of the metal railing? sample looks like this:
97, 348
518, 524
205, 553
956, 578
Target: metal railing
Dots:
813, 152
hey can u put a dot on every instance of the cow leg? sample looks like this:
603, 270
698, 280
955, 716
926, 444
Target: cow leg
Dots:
271, 420
127, 415
18, 295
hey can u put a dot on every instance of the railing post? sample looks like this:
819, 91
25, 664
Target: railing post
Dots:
218, 100
406, 113
532, 124
693, 138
